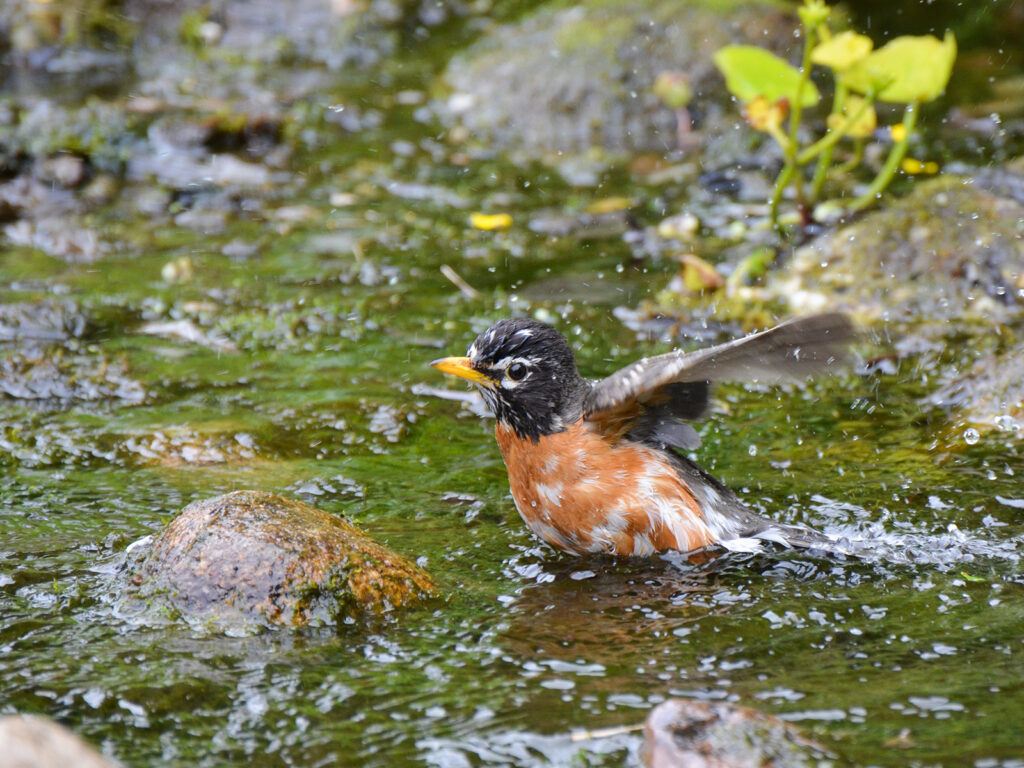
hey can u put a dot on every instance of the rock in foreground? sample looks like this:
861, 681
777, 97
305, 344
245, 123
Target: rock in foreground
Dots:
250, 557
36, 742
698, 734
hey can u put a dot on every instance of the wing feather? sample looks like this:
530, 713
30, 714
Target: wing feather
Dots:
788, 352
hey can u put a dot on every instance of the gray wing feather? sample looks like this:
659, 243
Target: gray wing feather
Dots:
788, 352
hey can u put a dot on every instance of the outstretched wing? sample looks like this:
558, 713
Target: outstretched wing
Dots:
652, 398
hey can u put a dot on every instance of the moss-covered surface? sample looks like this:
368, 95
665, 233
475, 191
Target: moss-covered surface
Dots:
949, 251
261, 559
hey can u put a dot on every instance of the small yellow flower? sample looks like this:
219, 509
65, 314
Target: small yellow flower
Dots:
898, 132
914, 167
865, 124
764, 115
490, 221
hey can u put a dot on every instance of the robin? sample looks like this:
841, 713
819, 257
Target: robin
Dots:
594, 466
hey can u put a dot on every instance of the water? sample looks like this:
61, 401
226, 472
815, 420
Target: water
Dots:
324, 400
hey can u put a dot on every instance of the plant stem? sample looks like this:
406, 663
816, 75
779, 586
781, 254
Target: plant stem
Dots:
830, 139
781, 182
854, 161
684, 129
794, 127
825, 158
896, 155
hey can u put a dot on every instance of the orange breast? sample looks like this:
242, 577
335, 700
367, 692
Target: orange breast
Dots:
582, 493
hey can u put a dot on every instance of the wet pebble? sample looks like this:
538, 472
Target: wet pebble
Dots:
65, 169
60, 237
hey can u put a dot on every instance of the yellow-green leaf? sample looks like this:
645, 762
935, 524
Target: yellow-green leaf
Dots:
751, 72
906, 69
842, 51
698, 275
608, 205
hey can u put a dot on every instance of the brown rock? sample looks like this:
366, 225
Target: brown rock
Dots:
251, 557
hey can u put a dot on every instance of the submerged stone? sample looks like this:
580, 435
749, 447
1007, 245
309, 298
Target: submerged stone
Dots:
46, 320
255, 558
988, 397
53, 373
701, 734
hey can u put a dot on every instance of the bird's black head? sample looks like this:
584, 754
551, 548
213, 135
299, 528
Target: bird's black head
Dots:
526, 372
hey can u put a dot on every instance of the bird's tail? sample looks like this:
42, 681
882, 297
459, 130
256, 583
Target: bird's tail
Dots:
793, 536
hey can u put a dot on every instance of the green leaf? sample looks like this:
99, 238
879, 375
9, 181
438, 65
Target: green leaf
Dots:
751, 72
906, 69
842, 51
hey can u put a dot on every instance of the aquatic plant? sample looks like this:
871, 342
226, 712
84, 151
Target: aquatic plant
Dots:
675, 92
907, 70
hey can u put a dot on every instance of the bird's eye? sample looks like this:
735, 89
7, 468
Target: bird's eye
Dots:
517, 371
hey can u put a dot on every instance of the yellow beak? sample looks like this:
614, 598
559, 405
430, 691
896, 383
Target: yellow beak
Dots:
463, 368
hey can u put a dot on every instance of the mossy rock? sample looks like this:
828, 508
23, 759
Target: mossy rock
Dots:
952, 250
570, 78
255, 558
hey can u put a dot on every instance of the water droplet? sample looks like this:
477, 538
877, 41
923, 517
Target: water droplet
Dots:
971, 436
1006, 423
